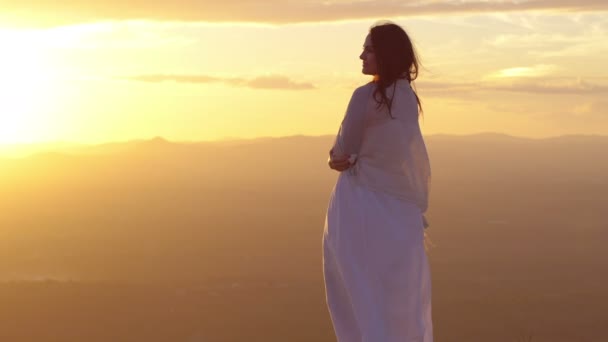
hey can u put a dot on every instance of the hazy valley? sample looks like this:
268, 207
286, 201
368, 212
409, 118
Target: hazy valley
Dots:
160, 241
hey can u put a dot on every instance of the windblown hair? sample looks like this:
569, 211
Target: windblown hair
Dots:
395, 58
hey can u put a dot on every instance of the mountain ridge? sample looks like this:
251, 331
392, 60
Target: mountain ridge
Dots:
159, 142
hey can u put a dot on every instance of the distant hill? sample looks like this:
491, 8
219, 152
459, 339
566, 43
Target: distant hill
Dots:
488, 156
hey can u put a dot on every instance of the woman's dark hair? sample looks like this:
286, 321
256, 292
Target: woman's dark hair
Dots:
395, 58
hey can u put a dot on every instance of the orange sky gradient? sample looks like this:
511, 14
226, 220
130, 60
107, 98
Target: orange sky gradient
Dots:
201, 70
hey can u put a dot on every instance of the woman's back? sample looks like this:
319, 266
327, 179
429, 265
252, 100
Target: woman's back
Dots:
393, 157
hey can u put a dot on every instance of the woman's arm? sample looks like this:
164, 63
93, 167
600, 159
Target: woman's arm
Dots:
350, 135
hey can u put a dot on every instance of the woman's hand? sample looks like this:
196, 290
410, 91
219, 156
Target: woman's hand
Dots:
336, 163
339, 164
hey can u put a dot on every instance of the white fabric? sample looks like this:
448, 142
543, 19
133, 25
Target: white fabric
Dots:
390, 153
376, 271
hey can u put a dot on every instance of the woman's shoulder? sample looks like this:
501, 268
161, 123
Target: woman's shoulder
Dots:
364, 91
370, 86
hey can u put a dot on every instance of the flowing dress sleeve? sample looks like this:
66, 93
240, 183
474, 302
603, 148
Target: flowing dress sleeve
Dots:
350, 135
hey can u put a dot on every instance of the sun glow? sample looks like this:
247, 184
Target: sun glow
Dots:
533, 71
27, 86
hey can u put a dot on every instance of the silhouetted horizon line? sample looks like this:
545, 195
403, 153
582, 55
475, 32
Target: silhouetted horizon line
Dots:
161, 139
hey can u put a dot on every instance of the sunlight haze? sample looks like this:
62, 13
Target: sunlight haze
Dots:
109, 73
168, 172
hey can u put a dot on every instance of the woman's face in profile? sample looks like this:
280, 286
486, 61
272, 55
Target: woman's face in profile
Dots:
369, 57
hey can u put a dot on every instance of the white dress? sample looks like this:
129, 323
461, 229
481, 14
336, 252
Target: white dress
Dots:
375, 267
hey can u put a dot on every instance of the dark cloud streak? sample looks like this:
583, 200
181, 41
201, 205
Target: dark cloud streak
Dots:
578, 88
548, 86
261, 82
61, 12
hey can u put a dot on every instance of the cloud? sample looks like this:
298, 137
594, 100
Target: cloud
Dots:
538, 85
592, 114
579, 40
537, 70
62, 12
155, 78
446, 87
277, 82
555, 87
261, 82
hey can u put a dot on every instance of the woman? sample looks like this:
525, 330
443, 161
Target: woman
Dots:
375, 267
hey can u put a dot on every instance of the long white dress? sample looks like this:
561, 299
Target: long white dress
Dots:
375, 267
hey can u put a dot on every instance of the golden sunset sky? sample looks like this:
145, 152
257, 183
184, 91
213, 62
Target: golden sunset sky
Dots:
97, 71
